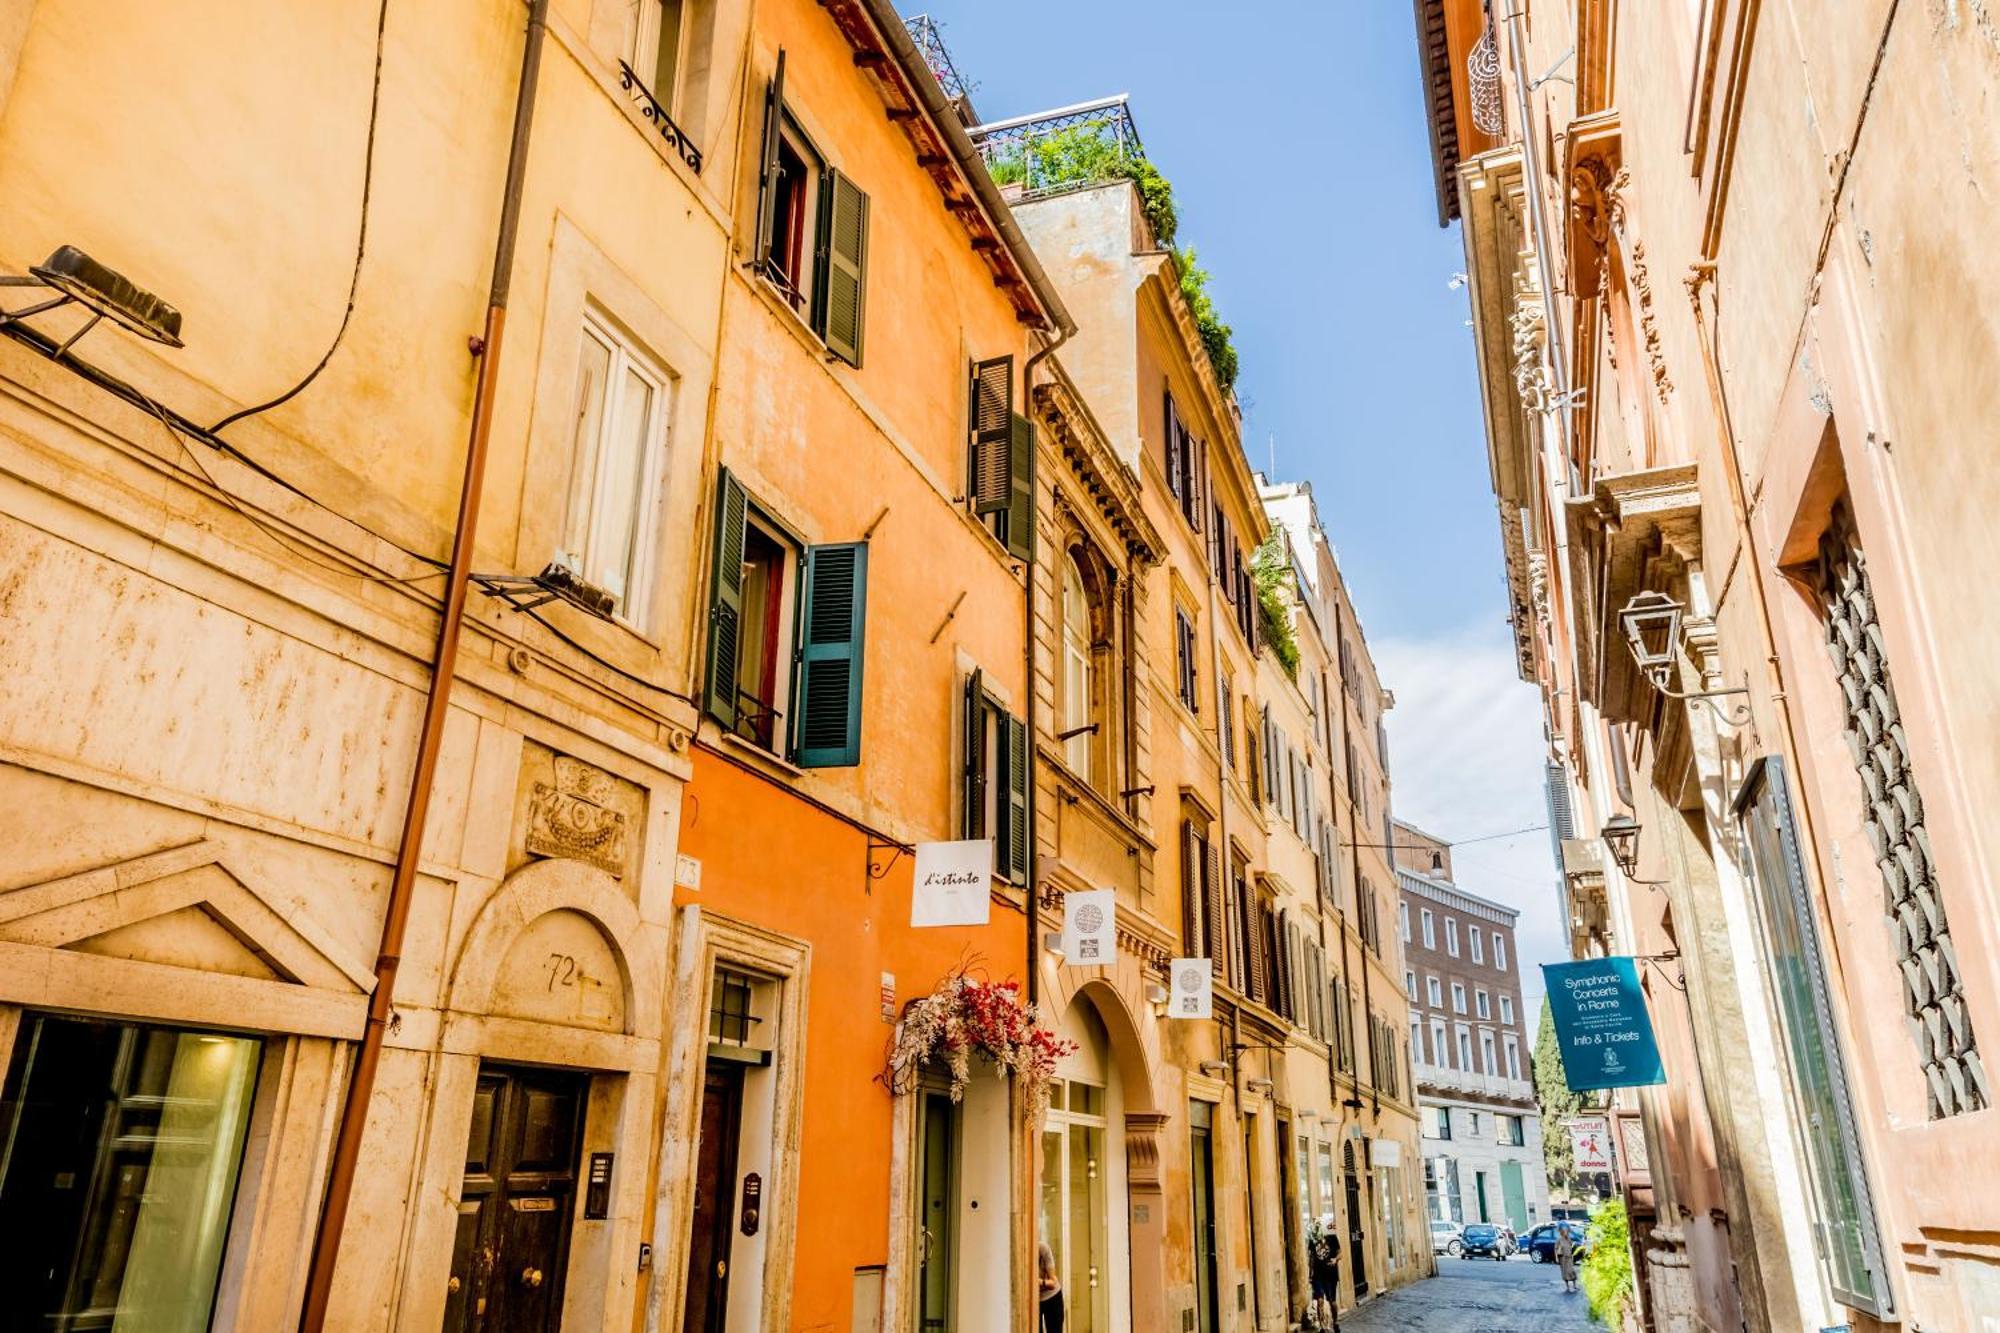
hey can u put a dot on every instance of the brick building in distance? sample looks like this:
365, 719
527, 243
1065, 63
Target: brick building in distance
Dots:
1469, 1044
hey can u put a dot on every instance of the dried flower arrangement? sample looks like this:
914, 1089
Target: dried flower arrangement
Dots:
965, 1017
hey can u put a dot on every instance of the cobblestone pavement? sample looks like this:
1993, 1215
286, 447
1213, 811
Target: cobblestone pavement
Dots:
1477, 1296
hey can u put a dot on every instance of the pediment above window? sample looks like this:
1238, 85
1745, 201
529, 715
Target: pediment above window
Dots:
1635, 531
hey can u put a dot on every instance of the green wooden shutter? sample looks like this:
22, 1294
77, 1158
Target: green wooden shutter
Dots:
725, 602
832, 613
839, 276
1021, 500
972, 822
1015, 854
767, 159
992, 464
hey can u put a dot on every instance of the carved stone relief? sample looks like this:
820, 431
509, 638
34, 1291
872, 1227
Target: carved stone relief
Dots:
569, 808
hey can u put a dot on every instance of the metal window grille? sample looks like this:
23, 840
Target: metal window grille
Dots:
729, 1016
1933, 994
1482, 75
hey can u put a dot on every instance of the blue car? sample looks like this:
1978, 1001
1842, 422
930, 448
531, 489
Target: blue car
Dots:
1541, 1243
1483, 1239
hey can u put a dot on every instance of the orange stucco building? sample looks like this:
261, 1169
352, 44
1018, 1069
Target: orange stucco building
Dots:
859, 613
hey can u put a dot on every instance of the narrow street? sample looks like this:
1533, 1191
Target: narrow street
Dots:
1477, 1296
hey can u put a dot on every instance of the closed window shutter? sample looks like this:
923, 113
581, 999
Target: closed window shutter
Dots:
992, 464
767, 158
1172, 431
972, 822
1256, 983
828, 702
1211, 905
1021, 494
1190, 891
725, 602
1017, 798
839, 281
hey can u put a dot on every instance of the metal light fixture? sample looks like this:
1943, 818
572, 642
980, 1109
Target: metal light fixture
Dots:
556, 583
1621, 835
1652, 623
105, 292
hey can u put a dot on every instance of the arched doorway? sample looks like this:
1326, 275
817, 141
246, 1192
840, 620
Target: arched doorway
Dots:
1083, 1179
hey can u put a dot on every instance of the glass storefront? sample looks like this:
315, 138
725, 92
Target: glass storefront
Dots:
1073, 1201
120, 1145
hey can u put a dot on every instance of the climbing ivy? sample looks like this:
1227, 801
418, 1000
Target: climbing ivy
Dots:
1270, 572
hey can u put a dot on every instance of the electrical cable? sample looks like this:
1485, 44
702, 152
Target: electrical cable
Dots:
294, 548
610, 666
360, 240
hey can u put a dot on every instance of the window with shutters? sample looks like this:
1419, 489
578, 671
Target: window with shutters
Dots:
1000, 457
1225, 702
1249, 969
1202, 910
812, 230
994, 779
785, 637
1253, 763
1078, 720
617, 458
1186, 467
1187, 650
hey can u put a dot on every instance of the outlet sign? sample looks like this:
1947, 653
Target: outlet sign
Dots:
1603, 1030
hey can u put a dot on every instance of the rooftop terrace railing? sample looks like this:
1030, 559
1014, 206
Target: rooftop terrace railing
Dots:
1068, 148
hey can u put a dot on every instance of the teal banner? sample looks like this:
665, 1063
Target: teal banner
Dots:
1602, 1027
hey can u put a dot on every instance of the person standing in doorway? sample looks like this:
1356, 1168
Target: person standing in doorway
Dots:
1050, 1288
1566, 1256
1323, 1261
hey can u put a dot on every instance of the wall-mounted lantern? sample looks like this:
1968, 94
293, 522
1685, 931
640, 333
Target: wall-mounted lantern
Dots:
1621, 836
1651, 622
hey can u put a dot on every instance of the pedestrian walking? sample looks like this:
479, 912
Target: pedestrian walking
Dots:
1323, 1265
1566, 1257
1051, 1289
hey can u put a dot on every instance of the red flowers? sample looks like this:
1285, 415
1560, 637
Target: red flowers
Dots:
964, 1017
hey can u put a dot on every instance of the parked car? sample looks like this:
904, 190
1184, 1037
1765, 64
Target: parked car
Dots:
1444, 1239
1482, 1240
1542, 1241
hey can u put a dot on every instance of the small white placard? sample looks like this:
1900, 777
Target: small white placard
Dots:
1386, 1152
687, 872
1590, 1142
1090, 928
1193, 993
953, 883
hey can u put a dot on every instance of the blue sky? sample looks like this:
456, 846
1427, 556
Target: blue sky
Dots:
1295, 137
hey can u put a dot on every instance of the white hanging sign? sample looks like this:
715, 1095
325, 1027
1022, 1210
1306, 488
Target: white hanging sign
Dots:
1590, 1142
1090, 928
953, 883
1193, 993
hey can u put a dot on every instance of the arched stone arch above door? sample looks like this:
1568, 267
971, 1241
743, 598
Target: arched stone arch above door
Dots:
1135, 1047
559, 942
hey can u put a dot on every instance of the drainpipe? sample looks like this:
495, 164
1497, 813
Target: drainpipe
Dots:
402, 885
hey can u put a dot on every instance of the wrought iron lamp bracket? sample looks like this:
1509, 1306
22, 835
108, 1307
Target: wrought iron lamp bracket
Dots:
1660, 960
895, 850
1737, 715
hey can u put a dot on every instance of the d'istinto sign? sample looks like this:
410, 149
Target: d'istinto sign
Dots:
1602, 1027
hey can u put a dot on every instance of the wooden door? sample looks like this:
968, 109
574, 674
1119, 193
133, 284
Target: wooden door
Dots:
517, 1201
1208, 1311
714, 1199
1357, 1233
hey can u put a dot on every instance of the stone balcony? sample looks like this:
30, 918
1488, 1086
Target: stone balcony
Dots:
1463, 1082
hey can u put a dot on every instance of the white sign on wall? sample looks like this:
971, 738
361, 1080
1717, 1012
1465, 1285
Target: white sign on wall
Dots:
1193, 993
1090, 928
1386, 1152
953, 883
1590, 1142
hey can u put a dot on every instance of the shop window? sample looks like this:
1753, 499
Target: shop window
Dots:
123, 1142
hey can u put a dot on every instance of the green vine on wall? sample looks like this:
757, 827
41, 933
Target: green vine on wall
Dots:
1081, 155
1607, 1274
